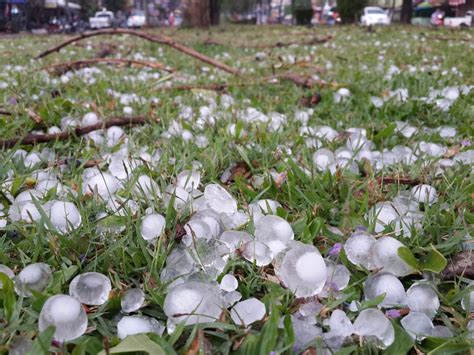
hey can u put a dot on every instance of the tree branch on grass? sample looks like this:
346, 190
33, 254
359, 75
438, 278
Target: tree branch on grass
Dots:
161, 39
32, 139
62, 68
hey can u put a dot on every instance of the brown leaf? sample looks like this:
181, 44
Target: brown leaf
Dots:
238, 170
311, 100
180, 232
461, 265
34, 116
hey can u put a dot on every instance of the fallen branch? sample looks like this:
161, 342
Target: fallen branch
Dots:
161, 39
5, 113
440, 38
312, 41
62, 68
399, 181
32, 139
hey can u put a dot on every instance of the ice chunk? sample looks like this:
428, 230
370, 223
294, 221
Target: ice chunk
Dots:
387, 284
422, 298
104, 184
385, 256
248, 312
33, 277
235, 239
130, 325
193, 302
323, 158
372, 324
273, 231
132, 300
91, 288
340, 323
425, 194
358, 249
255, 251
188, 180
229, 283
302, 269
66, 314
146, 187
418, 325
219, 199
153, 226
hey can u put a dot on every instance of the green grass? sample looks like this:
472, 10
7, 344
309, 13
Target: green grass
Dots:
310, 203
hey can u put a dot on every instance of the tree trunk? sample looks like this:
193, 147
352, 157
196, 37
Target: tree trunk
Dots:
198, 13
407, 8
215, 12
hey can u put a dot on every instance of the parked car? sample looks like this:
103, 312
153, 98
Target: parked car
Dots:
374, 16
136, 19
465, 21
102, 19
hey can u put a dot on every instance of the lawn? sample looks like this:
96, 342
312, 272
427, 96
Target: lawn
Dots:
368, 164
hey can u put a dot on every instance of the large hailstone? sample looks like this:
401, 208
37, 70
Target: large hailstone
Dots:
273, 231
418, 325
131, 325
153, 226
301, 268
193, 302
235, 239
64, 216
421, 297
91, 288
386, 284
188, 180
358, 249
383, 214
219, 199
132, 300
66, 314
323, 158
256, 252
34, 277
103, 183
385, 256
146, 187
425, 194
373, 325
248, 312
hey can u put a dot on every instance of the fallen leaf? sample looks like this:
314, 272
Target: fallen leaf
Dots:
461, 265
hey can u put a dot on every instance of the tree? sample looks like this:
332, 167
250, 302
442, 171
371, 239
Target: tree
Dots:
198, 13
407, 9
88, 7
115, 5
350, 9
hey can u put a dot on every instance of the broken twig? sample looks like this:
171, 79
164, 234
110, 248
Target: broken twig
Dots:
62, 68
32, 139
161, 39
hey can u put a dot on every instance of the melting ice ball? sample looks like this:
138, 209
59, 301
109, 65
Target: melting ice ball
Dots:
421, 297
65, 216
247, 312
219, 199
358, 249
425, 194
301, 268
273, 231
257, 252
130, 325
33, 277
374, 326
91, 288
385, 256
418, 325
153, 226
132, 300
66, 314
386, 284
193, 302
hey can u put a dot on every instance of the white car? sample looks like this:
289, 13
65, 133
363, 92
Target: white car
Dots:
374, 16
102, 19
465, 21
136, 19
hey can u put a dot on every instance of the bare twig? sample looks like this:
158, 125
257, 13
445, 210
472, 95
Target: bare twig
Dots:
311, 41
62, 68
32, 139
161, 39
397, 180
5, 113
34, 116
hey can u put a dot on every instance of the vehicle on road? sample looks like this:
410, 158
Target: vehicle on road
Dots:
102, 19
136, 19
375, 16
465, 21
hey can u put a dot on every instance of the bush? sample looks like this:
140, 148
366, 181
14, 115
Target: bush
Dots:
350, 10
303, 12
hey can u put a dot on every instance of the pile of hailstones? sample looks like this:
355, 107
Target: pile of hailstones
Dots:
214, 235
